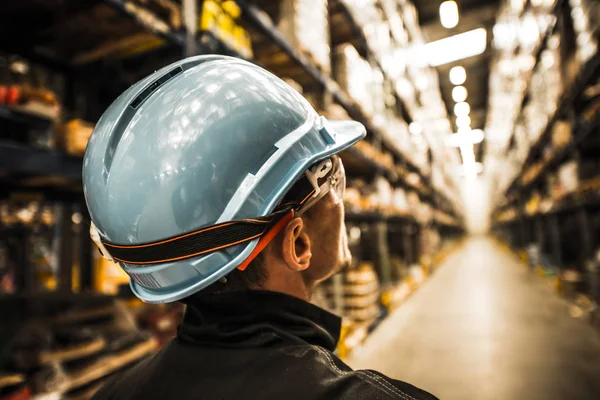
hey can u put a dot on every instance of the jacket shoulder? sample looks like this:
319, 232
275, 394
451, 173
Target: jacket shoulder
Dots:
367, 383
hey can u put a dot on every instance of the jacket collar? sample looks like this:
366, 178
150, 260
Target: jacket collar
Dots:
257, 319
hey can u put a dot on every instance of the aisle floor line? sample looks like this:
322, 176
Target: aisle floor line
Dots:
485, 327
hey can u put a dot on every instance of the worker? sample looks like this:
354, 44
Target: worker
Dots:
214, 183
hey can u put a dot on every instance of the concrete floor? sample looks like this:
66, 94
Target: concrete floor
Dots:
483, 327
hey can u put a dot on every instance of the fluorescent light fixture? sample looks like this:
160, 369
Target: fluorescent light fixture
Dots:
463, 122
449, 14
456, 47
458, 75
465, 139
462, 109
459, 93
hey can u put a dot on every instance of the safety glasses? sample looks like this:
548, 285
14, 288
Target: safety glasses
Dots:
332, 172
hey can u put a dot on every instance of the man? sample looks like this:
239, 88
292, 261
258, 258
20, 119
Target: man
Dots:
214, 183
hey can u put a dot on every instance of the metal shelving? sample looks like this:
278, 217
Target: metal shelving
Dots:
376, 216
206, 42
26, 160
23, 117
590, 68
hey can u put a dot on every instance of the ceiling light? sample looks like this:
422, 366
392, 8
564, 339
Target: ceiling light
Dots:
456, 47
477, 136
459, 93
462, 109
458, 75
465, 138
463, 122
449, 14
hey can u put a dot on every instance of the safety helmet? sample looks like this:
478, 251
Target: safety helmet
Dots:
200, 143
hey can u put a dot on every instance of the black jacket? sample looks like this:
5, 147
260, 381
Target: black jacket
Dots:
253, 345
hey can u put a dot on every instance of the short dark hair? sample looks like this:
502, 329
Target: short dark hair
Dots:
251, 278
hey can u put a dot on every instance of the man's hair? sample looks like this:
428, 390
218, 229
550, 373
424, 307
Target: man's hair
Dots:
251, 278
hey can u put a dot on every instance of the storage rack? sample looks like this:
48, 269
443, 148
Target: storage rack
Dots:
18, 161
91, 83
565, 231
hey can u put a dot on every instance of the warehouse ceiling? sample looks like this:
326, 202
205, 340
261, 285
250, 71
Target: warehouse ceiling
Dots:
472, 14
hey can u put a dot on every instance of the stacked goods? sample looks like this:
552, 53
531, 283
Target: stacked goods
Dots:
25, 95
508, 215
361, 293
399, 268
375, 27
354, 75
382, 196
568, 176
429, 243
378, 97
532, 172
413, 201
546, 88
533, 204
305, 24
593, 272
109, 276
423, 213
443, 218
378, 196
68, 350
14, 387
399, 202
74, 135
31, 223
561, 134
360, 298
522, 140
383, 158
586, 16
397, 28
335, 112
353, 198
167, 10
222, 19
591, 102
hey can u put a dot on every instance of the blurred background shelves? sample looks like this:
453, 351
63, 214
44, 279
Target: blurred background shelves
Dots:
24, 160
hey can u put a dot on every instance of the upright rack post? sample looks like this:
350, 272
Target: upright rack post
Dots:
64, 238
190, 19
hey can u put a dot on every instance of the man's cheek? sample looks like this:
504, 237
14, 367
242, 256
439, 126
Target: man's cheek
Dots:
345, 256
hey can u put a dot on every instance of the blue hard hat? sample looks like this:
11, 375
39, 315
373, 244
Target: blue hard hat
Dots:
203, 141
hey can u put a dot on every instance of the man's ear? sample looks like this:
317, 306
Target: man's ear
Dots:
296, 246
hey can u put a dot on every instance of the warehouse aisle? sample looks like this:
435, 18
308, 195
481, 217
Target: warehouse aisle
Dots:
483, 327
